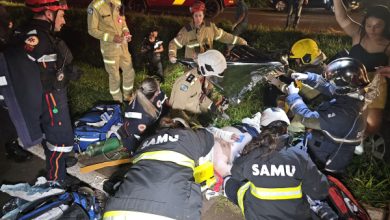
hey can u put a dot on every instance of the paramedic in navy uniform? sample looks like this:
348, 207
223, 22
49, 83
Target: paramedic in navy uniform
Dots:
271, 179
337, 126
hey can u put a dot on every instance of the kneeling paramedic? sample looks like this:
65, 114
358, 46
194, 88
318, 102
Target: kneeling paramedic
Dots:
191, 91
337, 125
271, 179
36, 95
160, 184
140, 114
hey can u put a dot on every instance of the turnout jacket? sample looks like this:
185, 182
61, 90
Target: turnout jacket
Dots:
190, 92
161, 187
288, 169
199, 40
104, 22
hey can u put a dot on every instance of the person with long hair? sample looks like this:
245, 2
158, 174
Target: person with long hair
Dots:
141, 113
271, 179
371, 46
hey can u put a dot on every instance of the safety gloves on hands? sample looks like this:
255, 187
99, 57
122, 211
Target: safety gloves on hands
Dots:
172, 59
291, 89
299, 76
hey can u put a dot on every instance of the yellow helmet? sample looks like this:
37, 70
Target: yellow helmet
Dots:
306, 50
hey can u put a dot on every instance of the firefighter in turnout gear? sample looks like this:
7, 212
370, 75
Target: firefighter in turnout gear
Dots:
337, 126
160, 184
40, 67
199, 35
107, 24
191, 91
271, 179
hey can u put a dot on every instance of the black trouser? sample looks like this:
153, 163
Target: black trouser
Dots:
57, 127
294, 9
8, 132
155, 66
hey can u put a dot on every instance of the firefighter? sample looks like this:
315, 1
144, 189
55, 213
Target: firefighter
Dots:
337, 125
160, 184
107, 24
38, 103
198, 36
309, 58
271, 179
190, 91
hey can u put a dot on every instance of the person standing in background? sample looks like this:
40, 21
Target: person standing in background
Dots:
107, 24
241, 23
294, 10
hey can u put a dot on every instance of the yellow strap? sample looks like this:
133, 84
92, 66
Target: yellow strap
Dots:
98, 166
167, 156
240, 195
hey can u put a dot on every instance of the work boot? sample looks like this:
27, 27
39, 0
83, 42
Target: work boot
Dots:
69, 182
70, 161
14, 151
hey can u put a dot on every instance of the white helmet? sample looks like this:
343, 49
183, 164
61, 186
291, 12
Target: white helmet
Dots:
273, 114
211, 63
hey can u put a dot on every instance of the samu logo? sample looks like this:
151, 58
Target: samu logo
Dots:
161, 139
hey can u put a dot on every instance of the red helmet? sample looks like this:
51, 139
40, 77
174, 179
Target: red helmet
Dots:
197, 6
42, 5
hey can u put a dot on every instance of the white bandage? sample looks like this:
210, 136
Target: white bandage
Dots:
219, 133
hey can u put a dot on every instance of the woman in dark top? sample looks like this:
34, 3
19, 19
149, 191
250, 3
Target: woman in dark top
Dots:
371, 46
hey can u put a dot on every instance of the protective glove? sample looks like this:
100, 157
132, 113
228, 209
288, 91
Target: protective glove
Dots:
172, 59
299, 76
291, 89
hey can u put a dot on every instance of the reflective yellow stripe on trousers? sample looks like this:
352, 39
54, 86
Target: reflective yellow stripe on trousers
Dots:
268, 193
168, 156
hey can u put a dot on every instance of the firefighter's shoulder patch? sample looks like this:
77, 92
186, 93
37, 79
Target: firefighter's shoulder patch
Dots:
31, 42
141, 127
183, 87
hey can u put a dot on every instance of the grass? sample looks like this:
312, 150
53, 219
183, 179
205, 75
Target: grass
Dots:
368, 179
